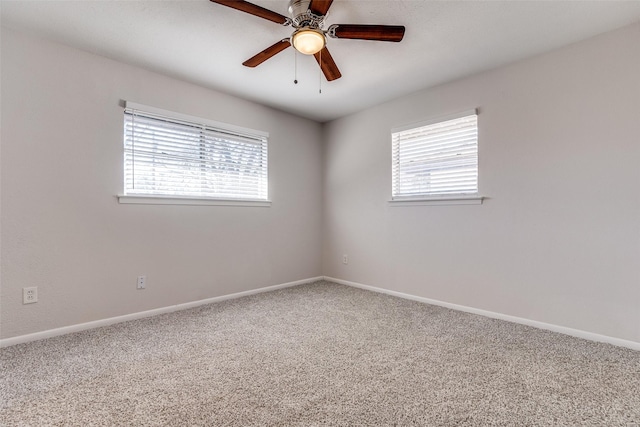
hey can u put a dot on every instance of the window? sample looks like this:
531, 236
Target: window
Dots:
171, 155
436, 159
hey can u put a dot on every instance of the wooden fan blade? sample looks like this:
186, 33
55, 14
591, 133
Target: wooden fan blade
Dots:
327, 64
267, 53
253, 9
383, 33
320, 7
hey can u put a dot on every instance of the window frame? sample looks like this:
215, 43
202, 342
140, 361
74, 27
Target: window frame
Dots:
163, 199
435, 199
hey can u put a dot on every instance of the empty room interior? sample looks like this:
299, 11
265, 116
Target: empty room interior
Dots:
320, 213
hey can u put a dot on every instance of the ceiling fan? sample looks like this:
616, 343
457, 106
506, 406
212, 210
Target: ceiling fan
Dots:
309, 37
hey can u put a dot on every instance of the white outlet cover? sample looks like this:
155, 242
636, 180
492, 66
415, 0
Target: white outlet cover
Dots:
30, 295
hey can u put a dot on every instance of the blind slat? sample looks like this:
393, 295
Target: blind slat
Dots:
142, 158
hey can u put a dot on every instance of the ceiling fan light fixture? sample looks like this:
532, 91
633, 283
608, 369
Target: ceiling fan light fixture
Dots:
308, 41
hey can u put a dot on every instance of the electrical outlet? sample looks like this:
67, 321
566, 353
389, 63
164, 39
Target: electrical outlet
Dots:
345, 259
30, 295
142, 282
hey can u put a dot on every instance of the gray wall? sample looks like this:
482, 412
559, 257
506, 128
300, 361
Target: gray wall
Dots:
558, 240
64, 231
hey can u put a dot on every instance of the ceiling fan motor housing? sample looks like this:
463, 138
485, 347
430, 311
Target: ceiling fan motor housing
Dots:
302, 17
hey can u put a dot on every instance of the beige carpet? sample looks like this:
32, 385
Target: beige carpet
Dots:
318, 354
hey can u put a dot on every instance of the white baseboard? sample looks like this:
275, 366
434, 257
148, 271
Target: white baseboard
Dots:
141, 314
540, 325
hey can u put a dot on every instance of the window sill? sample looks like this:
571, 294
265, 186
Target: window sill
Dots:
176, 200
436, 201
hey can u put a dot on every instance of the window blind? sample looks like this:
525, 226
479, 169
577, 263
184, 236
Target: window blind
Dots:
173, 157
437, 159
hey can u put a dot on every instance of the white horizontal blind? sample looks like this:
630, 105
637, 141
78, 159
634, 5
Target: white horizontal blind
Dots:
439, 159
173, 157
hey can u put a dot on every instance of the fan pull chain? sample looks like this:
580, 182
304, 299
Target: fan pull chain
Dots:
320, 75
295, 66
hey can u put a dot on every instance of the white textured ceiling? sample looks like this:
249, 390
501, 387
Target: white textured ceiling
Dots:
205, 43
